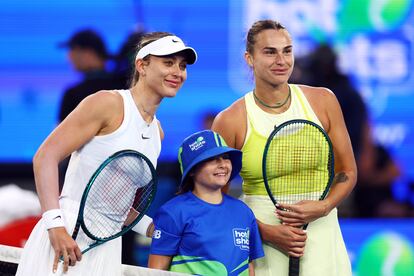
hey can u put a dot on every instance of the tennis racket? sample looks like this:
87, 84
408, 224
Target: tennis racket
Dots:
116, 197
298, 164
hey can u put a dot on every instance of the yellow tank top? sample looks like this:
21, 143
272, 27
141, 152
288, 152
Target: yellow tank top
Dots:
259, 126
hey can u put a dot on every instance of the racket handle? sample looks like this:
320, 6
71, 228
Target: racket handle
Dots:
76, 230
294, 266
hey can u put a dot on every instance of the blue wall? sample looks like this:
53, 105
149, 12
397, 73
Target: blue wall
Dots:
375, 43
375, 40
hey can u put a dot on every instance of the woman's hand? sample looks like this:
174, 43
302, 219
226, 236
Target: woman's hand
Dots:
301, 213
288, 239
65, 246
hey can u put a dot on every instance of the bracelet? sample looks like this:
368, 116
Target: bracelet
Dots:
53, 218
142, 226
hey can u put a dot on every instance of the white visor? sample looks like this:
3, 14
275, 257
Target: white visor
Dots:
165, 46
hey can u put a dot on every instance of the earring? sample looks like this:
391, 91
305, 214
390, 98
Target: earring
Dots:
250, 62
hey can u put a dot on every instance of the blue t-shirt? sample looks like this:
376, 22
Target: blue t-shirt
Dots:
205, 238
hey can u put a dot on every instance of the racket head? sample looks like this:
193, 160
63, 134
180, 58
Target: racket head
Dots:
298, 162
123, 185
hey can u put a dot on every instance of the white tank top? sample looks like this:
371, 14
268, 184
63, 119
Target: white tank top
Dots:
134, 133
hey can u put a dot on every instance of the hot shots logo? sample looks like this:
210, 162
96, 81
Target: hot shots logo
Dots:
198, 143
241, 238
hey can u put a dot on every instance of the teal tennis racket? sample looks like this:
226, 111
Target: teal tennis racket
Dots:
116, 197
298, 164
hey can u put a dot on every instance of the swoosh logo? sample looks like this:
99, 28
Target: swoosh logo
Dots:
175, 41
143, 137
56, 217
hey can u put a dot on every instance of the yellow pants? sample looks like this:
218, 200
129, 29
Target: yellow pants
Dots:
325, 252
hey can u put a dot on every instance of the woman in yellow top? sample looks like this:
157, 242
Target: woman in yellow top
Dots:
247, 123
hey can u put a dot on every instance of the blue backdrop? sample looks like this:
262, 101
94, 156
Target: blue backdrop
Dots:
374, 41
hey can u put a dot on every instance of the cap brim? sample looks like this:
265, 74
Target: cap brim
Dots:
235, 158
168, 45
189, 53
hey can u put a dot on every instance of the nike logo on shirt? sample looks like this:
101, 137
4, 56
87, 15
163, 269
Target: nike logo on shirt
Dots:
56, 217
143, 137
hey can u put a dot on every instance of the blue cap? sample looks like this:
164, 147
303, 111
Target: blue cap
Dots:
204, 145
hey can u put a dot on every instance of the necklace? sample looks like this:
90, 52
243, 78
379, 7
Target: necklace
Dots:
277, 105
148, 113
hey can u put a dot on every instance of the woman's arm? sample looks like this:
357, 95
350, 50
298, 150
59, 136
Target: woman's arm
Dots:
159, 262
231, 124
90, 118
345, 169
345, 165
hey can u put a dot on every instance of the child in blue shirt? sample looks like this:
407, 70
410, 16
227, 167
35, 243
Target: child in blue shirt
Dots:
203, 231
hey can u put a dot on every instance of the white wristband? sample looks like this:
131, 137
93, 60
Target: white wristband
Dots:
53, 218
142, 226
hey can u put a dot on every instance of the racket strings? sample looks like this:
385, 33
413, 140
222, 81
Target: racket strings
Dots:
144, 192
297, 163
125, 183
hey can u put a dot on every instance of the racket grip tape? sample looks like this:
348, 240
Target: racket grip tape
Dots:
294, 266
76, 231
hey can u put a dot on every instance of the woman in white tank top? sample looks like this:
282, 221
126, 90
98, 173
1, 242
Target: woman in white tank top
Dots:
245, 126
103, 123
